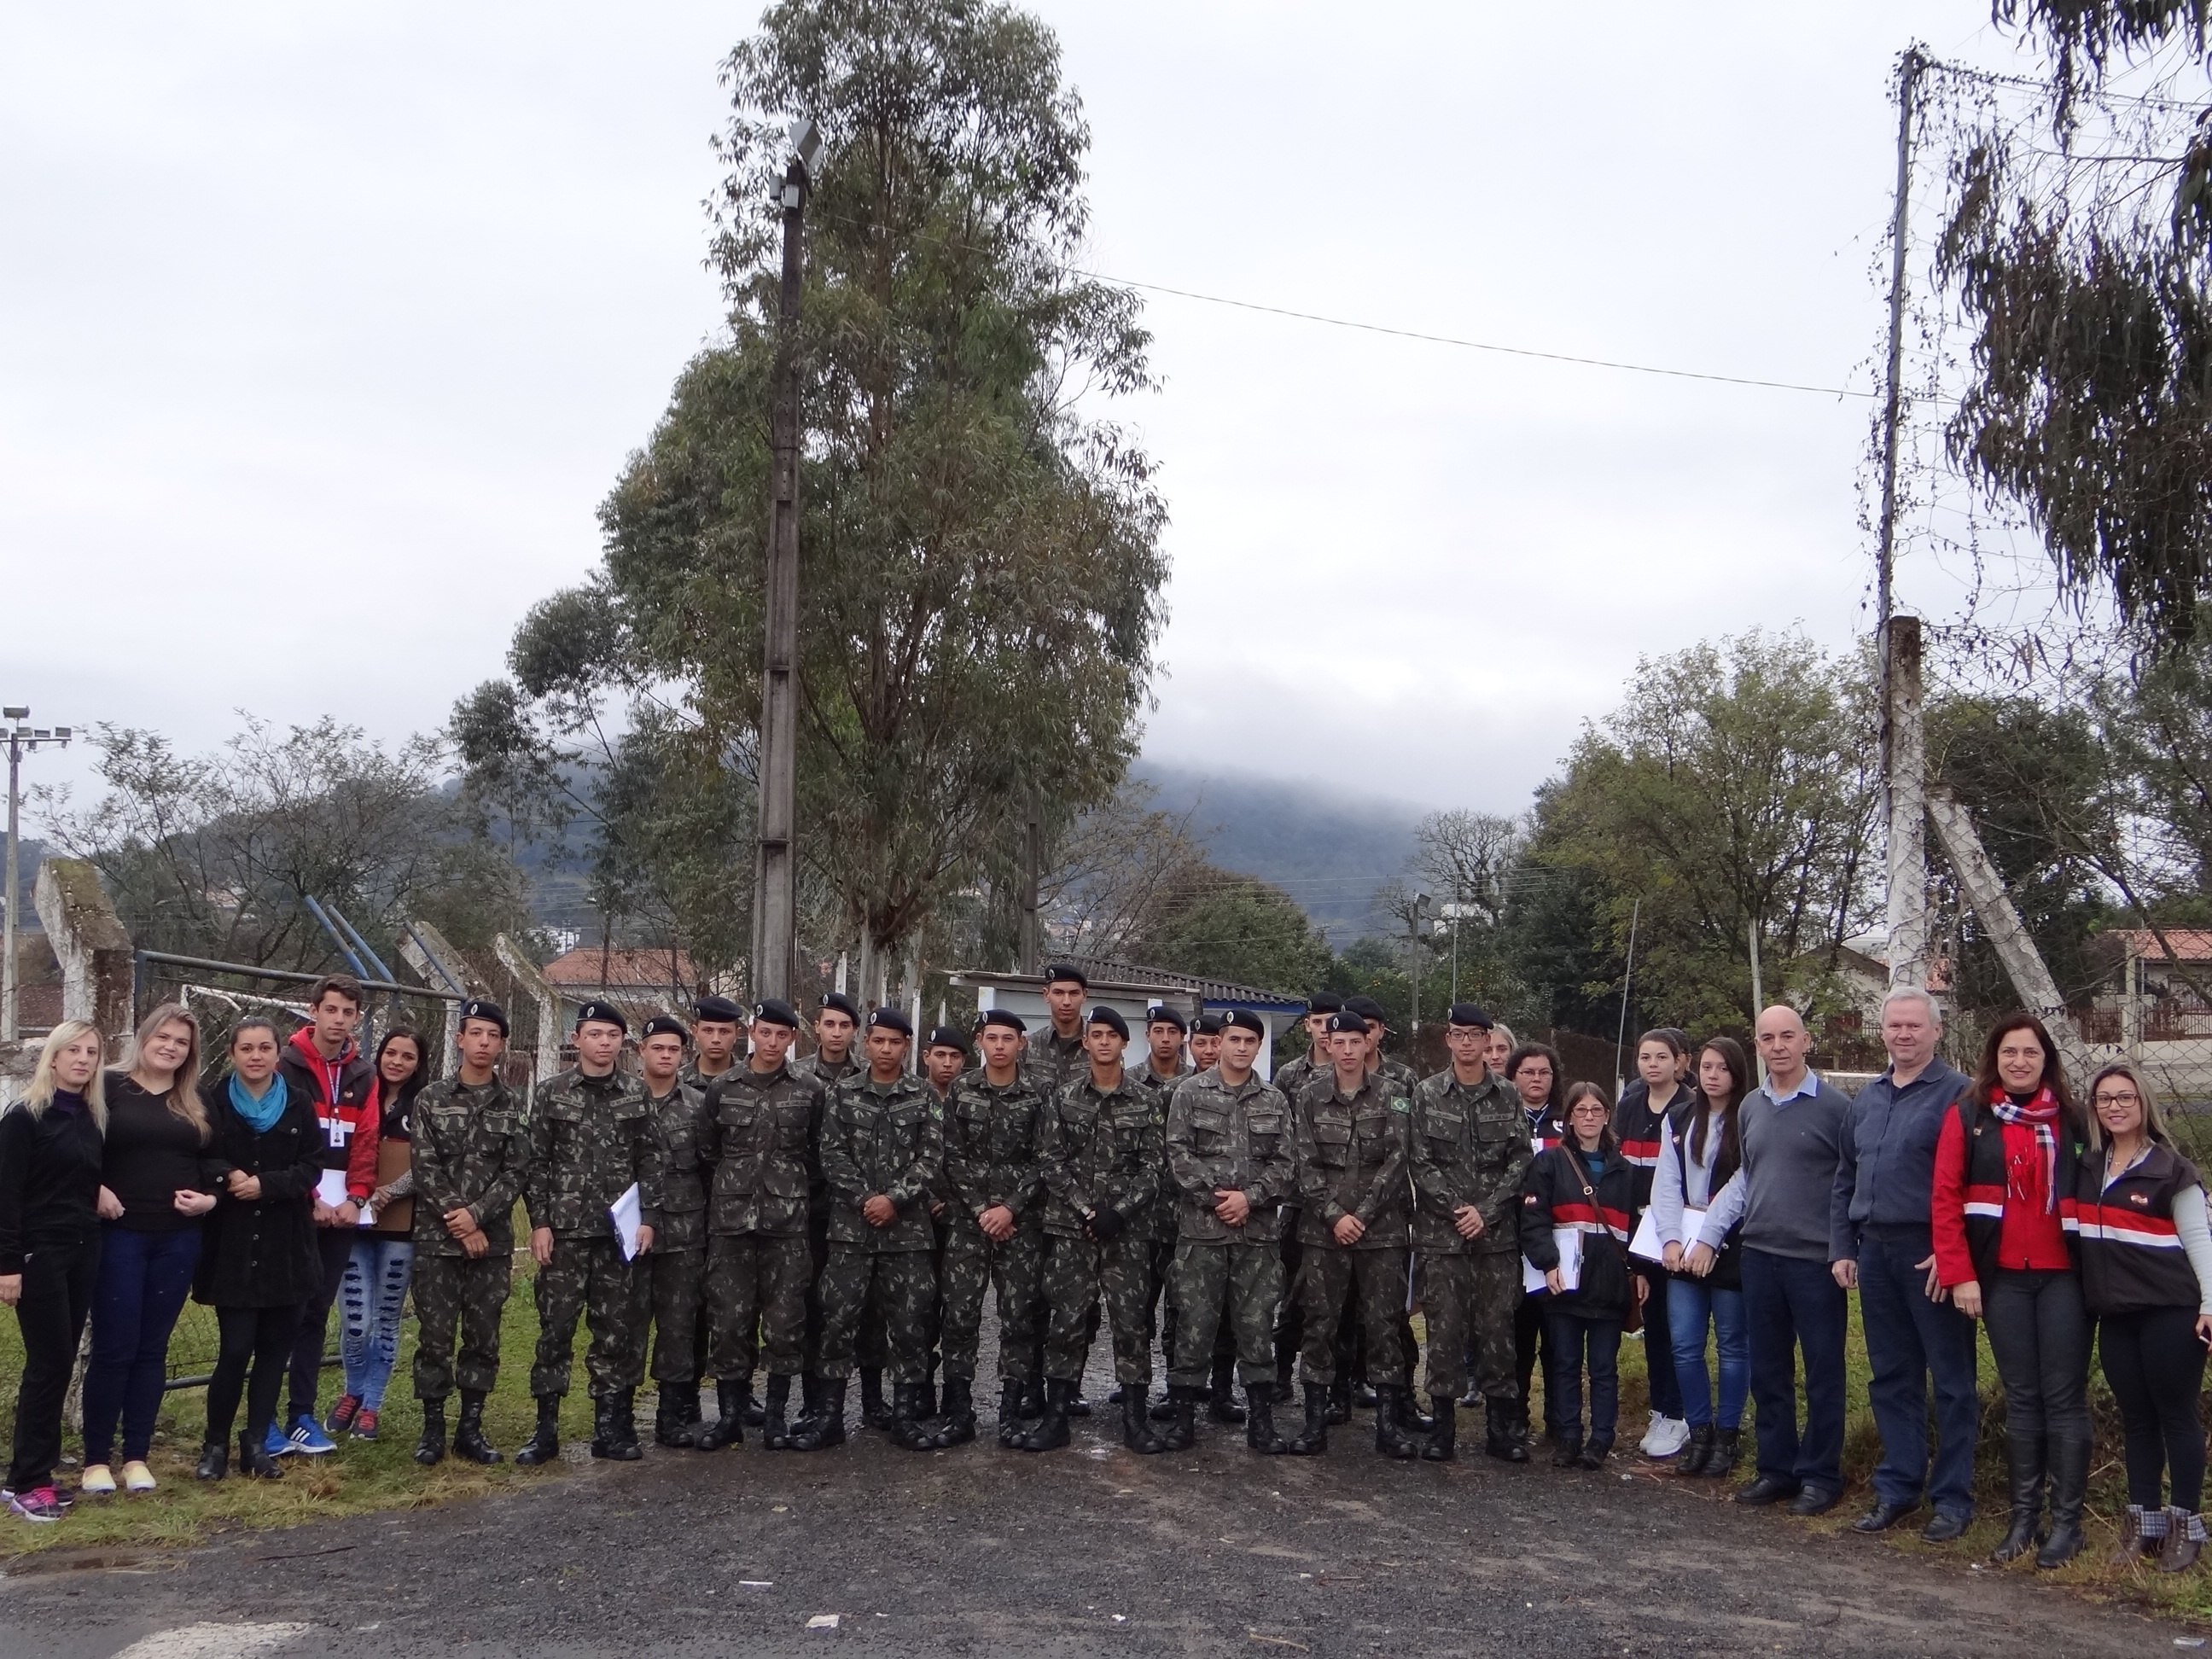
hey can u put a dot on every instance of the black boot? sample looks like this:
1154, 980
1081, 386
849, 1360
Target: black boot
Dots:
960, 1424
753, 1415
824, 1425
928, 1386
1181, 1432
1113, 1394
1136, 1421
1727, 1446
668, 1428
2070, 1485
1340, 1399
1221, 1397
1390, 1438
875, 1410
215, 1461
1011, 1396
910, 1430
1409, 1412
1164, 1407
694, 1418
1259, 1433
469, 1441
1051, 1430
1313, 1440
254, 1461
1366, 1396
728, 1429
1032, 1404
1077, 1404
1502, 1432
2024, 1476
430, 1450
1443, 1429
1595, 1451
775, 1433
1698, 1453
544, 1443
1567, 1448
614, 1434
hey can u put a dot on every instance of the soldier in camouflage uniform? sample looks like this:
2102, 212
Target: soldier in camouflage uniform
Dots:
1054, 1058
1290, 1079
1204, 1043
1470, 1155
1354, 1198
944, 1058
1399, 1078
882, 1150
1165, 1066
472, 1150
591, 1140
758, 1145
994, 1231
677, 1266
836, 1035
1231, 1153
718, 1027
1100, 1158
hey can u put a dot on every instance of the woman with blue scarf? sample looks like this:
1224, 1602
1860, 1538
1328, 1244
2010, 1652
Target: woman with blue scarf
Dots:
259, 1264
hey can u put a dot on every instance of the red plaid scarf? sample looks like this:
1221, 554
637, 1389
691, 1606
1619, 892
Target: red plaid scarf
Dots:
2041, 1115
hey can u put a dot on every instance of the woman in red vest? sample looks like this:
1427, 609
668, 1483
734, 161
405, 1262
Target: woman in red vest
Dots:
2147, 1278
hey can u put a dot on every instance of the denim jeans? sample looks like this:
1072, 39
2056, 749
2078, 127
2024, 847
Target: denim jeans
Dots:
1574, 1345
144, 1278
1912, 1343
1690, 1304
374, 1295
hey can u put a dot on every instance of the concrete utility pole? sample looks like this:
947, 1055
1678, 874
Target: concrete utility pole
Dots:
775, 882
1032, 941
21, 741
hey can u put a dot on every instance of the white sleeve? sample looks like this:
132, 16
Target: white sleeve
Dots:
1667, 1188
1725, 1212
2190, 1221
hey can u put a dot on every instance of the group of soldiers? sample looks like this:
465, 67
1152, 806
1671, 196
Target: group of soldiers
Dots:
813, 1217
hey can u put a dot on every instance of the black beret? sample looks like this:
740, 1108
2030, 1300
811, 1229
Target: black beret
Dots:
606, 1013
1324, 1002
664, 1025
1466, 1013
888, 1018
843, 1004
1005, 1017
1244, 1020
1163, 1014
1207, 1026
1060, 971
1366, 1007
947, 1036
480, 1008
776, 1011
1346, 1019
1110, 1017
718, 1008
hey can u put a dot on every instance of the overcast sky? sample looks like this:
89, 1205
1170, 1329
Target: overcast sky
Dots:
324, 330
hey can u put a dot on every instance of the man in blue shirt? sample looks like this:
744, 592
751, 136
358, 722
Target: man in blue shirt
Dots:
1914, 1336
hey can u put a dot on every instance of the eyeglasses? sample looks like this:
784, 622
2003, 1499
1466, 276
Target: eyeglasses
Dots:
2131, 1098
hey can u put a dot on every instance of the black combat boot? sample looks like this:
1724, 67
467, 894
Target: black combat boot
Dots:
1595, 1451
254, 1461
430, 1450
1340, 1399
1051, 1430
1136, 1421
824, 1425
1502, 1434
215, 1461
728, 1428
958, 1426
929, 1394
1313, 1440
1181, 1432
544, 1443
614, 1434
776, 1434
1443, 1429
1365, 1395
1221, 1397
2070, 1485
754, 1416
1164, 1407
910, 1430
1260, 1432
1698, 1453
2024, 1470
469, 1441
875, 1410
668, 1417
1113, 1394
1409, 1411
1390, 1437
1077, 1404
1011, 1396
1032, 1405
1566, 1449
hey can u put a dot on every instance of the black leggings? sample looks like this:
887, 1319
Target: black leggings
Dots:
2039, 1334
58, 1281
261, 1338
2155, 1366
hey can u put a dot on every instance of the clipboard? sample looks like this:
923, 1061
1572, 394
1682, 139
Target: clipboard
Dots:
627, 1213
1570, 1243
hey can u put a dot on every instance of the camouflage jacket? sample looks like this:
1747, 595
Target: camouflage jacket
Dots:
1102, 1149
882, 1137
1292, 1075
1163, 1225
1054, 1061
1351, 1161
691, 1074
472, 1148
1470, 1145
678, 1119
758, 1145
1219, 1137
830, 1074
991, 1142
590, 1139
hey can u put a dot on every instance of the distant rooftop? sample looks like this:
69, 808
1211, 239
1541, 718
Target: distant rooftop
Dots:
2186, 944
1109, 972
588, 966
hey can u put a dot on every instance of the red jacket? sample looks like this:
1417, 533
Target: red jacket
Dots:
344, 1093
1967, 1199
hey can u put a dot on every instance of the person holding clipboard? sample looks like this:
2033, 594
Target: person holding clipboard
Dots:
1574, 1230
1695, 1162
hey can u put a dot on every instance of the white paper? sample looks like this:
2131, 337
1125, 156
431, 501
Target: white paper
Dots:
628, 1218
330, 1190
1646, 1243
1570, 1243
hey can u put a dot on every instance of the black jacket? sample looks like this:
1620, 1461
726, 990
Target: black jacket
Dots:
262, 1253
49, 1180
1560, 1194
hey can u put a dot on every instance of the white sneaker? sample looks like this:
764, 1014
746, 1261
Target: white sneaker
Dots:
1667, 1436
97, 1480
137, 1477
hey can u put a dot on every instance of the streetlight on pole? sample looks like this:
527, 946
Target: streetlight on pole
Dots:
775, 874
1423, 904
21, 741
1455, 912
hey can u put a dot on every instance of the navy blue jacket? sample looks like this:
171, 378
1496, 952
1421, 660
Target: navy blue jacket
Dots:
1885, 1174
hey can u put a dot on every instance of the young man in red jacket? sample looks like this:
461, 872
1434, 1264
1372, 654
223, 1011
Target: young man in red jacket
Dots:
323, 1062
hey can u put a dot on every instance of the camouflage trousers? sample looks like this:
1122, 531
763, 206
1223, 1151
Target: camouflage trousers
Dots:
588, 1278
1373, 1281
1243, 1282
1469, 1303
1077, 1272
679, 1292
469, 1292
973, 1264
757, 1288
899, 1285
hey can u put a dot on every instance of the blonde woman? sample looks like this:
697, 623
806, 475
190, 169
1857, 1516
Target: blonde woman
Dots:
50, 1247
154, 1190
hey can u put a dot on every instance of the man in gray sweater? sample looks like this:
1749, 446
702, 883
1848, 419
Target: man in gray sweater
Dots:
1792, 1131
